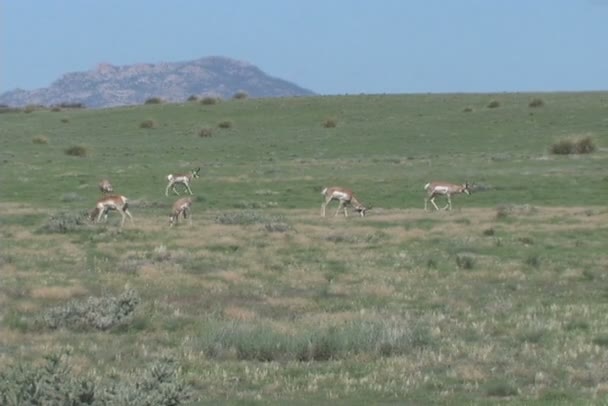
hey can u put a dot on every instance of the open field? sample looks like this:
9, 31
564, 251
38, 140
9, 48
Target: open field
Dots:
262, 300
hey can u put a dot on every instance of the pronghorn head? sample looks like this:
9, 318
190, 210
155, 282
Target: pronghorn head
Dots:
195, 172
362, 210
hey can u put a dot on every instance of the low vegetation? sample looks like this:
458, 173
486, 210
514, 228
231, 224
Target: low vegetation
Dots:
260, 299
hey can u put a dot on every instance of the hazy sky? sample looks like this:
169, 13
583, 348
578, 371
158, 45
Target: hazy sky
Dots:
327, 46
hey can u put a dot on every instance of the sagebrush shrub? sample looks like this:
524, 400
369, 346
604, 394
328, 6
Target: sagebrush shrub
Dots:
192, 98
65, 221
205, 132
536, 102
154, 100
585, 145
465, 261
100, 313
208, 100
330, 123
148, 124
77, 150
40, 139
493, 104
225, 124
240, 95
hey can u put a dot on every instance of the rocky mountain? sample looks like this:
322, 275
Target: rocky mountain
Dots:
110, 85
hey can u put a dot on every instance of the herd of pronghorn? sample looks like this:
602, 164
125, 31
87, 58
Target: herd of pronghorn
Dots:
181, 207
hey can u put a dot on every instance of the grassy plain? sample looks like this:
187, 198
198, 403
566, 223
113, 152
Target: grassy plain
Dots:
262, 300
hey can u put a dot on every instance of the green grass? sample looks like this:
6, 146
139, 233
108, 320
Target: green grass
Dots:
262, 300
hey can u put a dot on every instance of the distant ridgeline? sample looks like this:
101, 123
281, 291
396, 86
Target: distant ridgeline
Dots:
109, 85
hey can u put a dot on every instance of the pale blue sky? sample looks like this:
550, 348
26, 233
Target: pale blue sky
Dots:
327, 46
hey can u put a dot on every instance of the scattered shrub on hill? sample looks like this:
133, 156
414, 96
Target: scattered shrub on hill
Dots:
77, 150
205, 132
225, 124
240, 95
208, 100
40, 139
536, 102
148, 124
100, 313
192, 98
55, 109
468, 110
65, 120
330, 123
153, 100
30, 108
583, 145
4, 108
493, 104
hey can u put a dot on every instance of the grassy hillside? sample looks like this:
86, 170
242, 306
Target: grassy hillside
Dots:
263, 300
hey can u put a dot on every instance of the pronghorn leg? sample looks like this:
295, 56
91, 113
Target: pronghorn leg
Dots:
345, 211
167, 189
449, 205
188, 188
434, 204
339, 207
174, 189
101, 213
128, 213
323, 209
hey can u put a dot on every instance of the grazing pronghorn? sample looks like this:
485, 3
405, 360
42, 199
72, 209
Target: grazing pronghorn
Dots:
435, 189
108, 203
345, 197
105, 186
181, 207
183, 179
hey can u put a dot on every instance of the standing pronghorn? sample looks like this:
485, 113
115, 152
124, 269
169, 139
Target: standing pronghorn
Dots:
345, 197
181, 207
108, 203
183, 179
105, 186
435, 189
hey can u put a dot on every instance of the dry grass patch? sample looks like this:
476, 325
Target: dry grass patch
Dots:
58, 292
239, 313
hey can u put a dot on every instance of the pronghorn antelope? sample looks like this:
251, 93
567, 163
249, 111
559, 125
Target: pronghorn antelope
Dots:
345, 197
108, 203
181, 207
435, 189
105, 186
183, 179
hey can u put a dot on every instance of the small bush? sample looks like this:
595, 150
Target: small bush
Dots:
205, 132
501, 389
330, 123
488, 232
465, 261
64, 222
583, 145
100, 313
493, 104
225, 124
240, 95
468, 110
55, 383
40, 139
192, 98
148, 124
154, 100
77, 150
208, 100
533, 261
536, 102
277, 227
65, 120
55, 109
